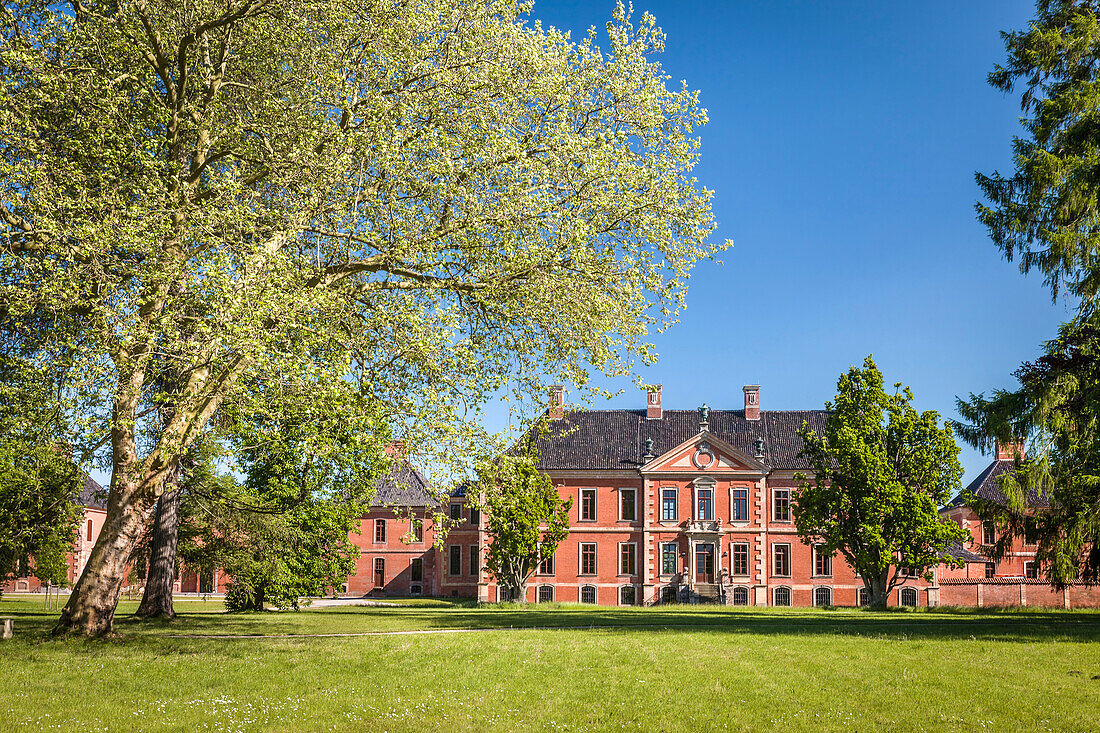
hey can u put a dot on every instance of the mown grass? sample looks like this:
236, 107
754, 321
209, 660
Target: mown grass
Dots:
609, 669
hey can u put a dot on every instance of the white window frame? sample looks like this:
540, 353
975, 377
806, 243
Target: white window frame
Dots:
633, 588
595, 594
595, 504
595, 559
675, 557
734, 590
748, 559
539, 592
733, 503
675, 504
775, 549
701, 487
622, 493
817, 555
863, 596
901, 596
790, 596
1028, 566
826, 589
379, 522
775, 491
623, 546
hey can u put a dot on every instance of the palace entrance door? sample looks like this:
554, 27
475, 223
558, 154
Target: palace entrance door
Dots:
704, 563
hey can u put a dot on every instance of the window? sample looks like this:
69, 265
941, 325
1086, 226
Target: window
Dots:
546, 566
502, 594
781, 597
823, 564
456, 511
668, 505
739, 558
588, 558
456, 560
418, 530
863, 597
475, 566
705, 504
475, 517
668, 558
1031, 569
823, 596
668, 594
990, 570
908, 596
989, 533
588, 594
781, 505
416, 589
588, 505
379, 531
627, 505
627, 595
781, 560
740, 505
740, 596
546, 594
628, 552
416, 569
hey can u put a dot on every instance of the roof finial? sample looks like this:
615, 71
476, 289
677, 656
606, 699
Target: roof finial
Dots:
648, 448
704, 414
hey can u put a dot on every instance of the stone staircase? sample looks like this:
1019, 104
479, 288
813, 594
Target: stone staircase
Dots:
708, 593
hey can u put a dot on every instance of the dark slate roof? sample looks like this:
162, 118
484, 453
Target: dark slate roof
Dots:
92, 495
988, 486
404, 486
957, 550
615, 439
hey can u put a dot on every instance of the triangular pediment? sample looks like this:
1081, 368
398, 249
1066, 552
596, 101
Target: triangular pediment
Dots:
704, 453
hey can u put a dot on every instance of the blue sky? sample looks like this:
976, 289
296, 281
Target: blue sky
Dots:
842, 146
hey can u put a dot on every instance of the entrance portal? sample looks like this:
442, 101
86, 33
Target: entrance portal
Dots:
704, 563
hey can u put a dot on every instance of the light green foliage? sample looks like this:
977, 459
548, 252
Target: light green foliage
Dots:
435, 198
1048, 212
525, 517
39, 481
880, 472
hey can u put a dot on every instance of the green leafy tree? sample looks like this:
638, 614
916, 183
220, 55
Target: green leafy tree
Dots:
1056, 404
39, 481
526, 520
880, 472
434, 199
284, 531
1046, 214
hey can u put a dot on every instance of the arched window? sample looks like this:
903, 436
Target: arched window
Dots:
627, 595
740, 596
668, 594
781, 597
823, 596
546, 593
588, 594
863, 597
908, 596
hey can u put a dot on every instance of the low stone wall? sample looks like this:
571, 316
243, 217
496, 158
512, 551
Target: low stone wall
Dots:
994, 592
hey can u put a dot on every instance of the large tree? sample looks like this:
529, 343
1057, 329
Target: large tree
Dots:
1047, 214
526, 519
880, 472
419, 201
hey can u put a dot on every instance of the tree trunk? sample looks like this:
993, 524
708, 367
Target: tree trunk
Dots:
90, 610
879, 588
157, 599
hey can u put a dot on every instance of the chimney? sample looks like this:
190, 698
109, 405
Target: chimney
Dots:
653, 409
1010, 451
396, 450
752, 401
556, 410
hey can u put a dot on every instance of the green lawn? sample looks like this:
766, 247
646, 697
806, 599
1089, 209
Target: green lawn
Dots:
659, 669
